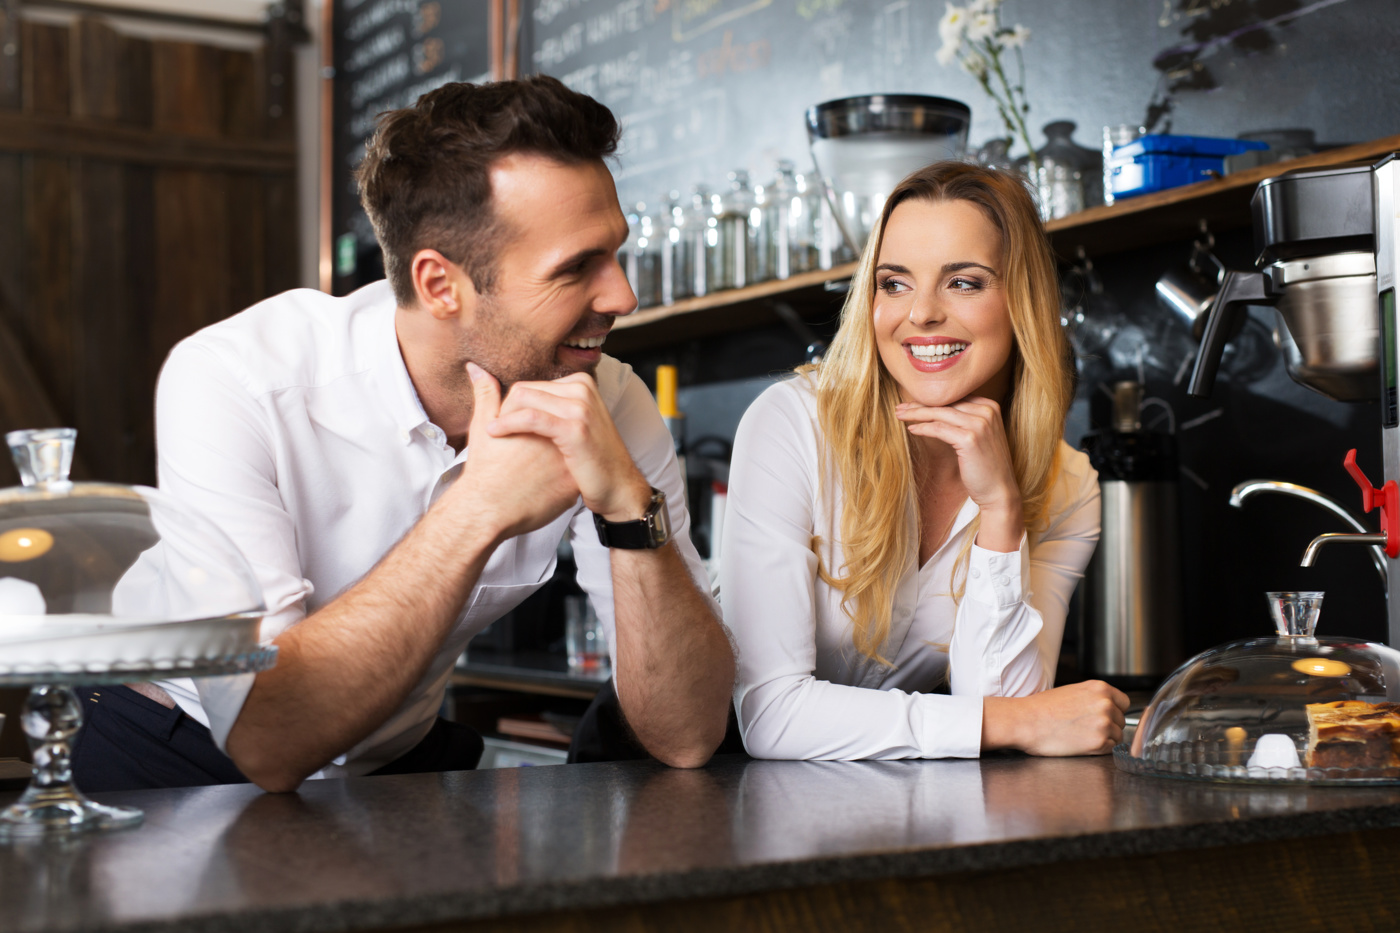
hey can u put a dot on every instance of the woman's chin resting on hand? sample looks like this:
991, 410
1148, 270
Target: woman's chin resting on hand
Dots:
1077, 719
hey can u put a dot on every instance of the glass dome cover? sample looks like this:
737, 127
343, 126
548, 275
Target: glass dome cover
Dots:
101, 578
1293, 708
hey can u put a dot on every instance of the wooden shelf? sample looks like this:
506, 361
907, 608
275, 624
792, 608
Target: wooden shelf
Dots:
1146, 220
1176, 214
731, 310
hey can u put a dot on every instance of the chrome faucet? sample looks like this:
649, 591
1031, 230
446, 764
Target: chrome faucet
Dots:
1252, 487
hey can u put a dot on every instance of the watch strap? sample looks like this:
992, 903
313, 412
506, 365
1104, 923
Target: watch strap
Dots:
651, 531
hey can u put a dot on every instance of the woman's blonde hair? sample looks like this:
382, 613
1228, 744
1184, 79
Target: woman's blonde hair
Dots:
856, 397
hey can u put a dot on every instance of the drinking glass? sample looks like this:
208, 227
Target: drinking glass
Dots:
584, 638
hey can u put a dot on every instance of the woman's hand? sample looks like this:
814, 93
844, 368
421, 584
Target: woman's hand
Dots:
974, 429
1077, 719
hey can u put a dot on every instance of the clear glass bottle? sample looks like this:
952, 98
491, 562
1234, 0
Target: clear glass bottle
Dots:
705, 261
679, 238
735, 244
641, 256
779, 203
1070, 176
809, 243
996, 153
1113, 137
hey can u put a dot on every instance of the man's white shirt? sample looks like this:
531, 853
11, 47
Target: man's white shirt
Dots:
294, 425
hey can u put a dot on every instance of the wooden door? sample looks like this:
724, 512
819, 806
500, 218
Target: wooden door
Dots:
147, 189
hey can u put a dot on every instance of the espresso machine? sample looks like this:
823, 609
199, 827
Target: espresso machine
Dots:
1328, 255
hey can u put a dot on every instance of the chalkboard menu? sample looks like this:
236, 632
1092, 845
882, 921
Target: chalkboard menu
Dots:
706, 86
387, 54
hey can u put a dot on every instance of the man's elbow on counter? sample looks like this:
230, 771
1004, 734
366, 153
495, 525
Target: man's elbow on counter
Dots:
693, 750
695, 757
268, 771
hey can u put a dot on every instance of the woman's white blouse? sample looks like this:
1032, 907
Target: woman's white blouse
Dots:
803, 690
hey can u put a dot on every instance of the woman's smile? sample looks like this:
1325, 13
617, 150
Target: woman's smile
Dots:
934, 354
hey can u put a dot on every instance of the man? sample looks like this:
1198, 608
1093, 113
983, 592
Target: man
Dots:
400, 465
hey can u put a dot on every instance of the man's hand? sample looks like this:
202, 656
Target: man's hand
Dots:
673, 665
515, 483
570, 414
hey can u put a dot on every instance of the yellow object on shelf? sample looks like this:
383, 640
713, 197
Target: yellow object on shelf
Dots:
666, 391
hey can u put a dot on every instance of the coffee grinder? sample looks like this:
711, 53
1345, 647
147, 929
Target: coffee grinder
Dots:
1327, 263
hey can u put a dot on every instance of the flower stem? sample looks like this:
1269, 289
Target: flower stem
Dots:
995, 57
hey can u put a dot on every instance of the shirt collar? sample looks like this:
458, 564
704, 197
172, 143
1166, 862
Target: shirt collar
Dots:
395, 387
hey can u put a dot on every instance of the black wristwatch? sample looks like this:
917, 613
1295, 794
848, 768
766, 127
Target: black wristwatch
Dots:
652, 530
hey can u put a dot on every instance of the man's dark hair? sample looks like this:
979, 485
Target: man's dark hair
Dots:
424, 181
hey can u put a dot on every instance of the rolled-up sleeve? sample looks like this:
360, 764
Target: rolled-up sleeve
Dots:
215, 453
769, 596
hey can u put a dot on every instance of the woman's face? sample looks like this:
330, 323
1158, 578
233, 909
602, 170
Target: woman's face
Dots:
941, 322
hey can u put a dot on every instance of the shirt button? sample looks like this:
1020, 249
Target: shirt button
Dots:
1003, 579
405, 436
974, 573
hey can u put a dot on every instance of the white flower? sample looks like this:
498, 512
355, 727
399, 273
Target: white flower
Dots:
1016, 37
982, 26
983, 6
975, 65
949, 53
954, 20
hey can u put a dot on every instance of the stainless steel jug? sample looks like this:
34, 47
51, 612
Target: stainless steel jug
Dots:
1131, 630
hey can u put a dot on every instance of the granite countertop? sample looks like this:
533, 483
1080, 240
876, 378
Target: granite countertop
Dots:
416, 849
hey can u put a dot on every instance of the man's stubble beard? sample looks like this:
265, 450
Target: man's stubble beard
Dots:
503, 351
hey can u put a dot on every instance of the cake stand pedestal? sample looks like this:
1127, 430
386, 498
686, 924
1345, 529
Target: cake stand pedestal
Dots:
51, 805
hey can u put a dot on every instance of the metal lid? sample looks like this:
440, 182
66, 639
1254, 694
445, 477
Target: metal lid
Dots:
887, 113
1313, 212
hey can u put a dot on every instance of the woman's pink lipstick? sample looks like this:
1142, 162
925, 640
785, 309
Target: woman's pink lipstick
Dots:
934, 366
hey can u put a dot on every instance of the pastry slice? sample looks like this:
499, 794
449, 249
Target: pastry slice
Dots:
1353, 734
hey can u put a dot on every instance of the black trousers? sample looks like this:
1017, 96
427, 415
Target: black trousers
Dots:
603, 734
131, 742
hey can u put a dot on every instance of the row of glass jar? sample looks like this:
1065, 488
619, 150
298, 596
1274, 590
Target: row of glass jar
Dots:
713, 241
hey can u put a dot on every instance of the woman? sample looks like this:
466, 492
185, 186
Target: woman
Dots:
906, 512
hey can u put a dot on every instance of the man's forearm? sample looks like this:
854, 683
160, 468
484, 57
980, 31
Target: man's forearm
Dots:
675, 672
344, 669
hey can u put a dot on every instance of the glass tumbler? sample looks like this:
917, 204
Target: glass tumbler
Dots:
584, 638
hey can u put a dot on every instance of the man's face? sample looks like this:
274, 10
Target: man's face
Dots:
558, 286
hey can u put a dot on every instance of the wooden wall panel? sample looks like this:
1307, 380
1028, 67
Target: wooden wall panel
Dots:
46, 318
12, 238
186, 85
193, 277
283, 253
142, 263
97, 62
247, 257
105, 397
47, 69
133, 80
241, 96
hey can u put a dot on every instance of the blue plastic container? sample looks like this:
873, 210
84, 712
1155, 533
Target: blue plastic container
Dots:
1160, 161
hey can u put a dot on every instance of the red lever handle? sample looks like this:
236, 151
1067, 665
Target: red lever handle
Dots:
1387, 498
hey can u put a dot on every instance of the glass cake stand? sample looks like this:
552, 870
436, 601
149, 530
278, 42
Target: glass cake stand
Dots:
51, 805
1240, 713
102, 583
